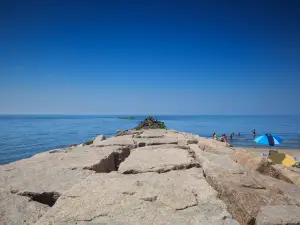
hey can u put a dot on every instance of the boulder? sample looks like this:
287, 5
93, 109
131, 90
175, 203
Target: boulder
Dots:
291, 174
246, 193
98, 139
121, 132
183, 138
33, 177
159, 159
161, 137
250, 161
210, 145
262, 165
175, 197
15, 209
278, 215
153, 133
125, 140
221, 162
45, 176
247, 161
150, 123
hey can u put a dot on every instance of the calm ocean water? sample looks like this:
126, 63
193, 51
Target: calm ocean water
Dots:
23, 136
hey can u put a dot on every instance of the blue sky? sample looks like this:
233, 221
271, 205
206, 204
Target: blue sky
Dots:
150, 57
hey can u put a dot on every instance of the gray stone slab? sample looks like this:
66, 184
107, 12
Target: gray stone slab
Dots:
153, 133
159, 159
175, 197
58, 171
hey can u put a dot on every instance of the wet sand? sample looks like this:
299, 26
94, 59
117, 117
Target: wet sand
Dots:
257, 151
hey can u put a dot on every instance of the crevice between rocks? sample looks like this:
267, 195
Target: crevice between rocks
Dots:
47, 198
112, 162
165, 170
179, 167
237, 212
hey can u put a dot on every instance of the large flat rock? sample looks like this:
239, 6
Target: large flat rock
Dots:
175, 197
98, 139
15, 209
157, 159
221, 162
153, 133
60, 170
125, 140
38, 177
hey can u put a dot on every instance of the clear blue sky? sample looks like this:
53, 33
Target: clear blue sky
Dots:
150, 57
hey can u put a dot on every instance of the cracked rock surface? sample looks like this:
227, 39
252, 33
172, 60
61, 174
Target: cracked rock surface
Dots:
159, 159
175, 197
152, 177
57, 171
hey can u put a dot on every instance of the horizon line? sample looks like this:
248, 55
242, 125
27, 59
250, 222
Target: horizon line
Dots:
62, 114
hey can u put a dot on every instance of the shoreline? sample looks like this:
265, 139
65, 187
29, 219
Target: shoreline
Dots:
292, 152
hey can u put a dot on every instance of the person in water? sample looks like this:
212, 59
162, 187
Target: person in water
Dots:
254, 132
239, 134
231, 135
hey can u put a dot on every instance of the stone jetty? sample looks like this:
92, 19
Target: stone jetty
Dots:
148, 176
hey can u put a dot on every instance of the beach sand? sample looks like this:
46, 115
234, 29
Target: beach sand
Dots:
257, 151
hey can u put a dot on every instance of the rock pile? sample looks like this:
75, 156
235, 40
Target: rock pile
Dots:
151, 123
152, 176
146, 124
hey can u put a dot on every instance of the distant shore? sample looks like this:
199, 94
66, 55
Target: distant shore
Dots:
126, 118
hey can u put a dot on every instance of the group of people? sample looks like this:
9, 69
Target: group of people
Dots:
224, 137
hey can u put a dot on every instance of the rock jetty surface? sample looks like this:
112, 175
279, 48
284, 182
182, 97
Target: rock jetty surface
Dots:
155, 177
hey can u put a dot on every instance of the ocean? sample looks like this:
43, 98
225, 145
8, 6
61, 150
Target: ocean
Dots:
23, 136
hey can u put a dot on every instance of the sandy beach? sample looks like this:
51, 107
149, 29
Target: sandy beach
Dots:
292, 152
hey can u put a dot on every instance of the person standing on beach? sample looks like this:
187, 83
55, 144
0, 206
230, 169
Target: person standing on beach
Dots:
224, 138
254, 132
215, 136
